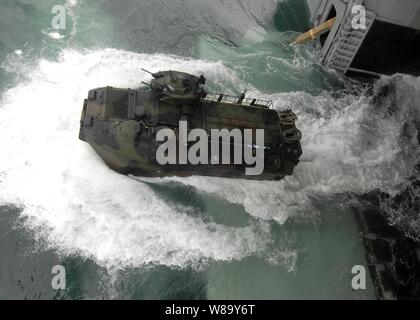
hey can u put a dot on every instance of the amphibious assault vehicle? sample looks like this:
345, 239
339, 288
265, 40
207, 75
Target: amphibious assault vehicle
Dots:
122, 126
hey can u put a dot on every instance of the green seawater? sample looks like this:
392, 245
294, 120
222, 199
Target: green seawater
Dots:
193, 238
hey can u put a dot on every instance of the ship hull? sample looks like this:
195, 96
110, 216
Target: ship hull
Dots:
389, 42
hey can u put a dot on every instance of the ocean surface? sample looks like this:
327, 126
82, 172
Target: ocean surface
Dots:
188, 238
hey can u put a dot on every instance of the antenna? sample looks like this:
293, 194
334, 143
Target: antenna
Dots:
147, 71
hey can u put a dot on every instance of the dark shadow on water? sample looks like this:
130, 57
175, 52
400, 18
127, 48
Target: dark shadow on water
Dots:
160, 283
209, 208
292, 15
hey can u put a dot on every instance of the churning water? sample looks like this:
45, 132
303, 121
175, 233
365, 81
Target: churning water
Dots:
126, 237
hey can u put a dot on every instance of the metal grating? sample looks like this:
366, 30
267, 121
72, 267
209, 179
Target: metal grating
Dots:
348, 41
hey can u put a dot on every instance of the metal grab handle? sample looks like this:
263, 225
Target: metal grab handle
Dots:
288, 118
292, 135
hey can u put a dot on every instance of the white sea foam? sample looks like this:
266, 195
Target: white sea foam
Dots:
55, 35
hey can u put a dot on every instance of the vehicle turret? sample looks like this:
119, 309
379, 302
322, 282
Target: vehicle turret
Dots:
178, 87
